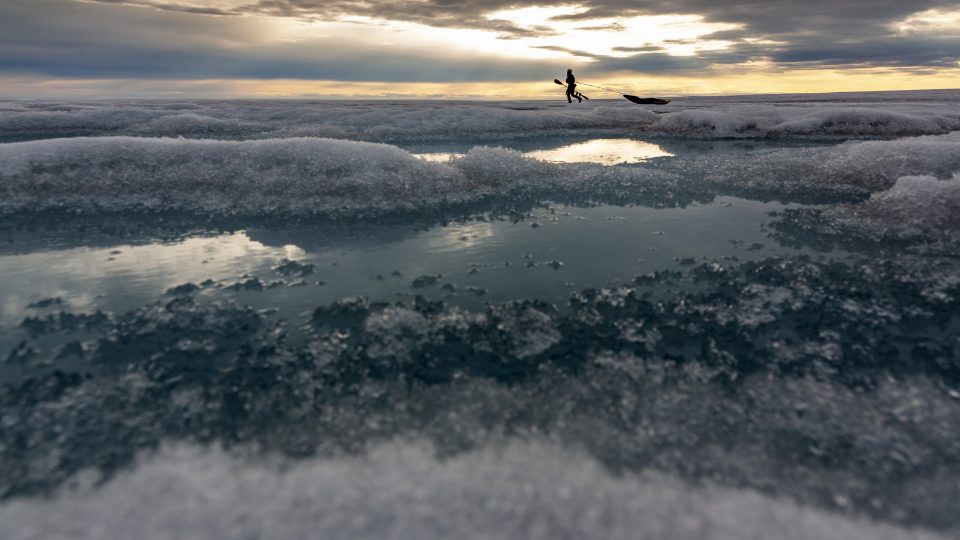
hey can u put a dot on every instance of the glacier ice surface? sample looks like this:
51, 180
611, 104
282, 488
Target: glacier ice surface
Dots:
819, 396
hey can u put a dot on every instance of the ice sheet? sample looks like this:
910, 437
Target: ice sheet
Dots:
814, 391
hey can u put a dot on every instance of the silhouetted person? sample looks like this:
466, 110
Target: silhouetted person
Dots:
572, 87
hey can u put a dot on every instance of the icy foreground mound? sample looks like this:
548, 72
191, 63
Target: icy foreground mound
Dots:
832, 384
915, 207
400, 491
849, 168
875, 115
918, 211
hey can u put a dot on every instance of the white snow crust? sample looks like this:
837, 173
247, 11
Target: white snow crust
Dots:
290, 177
530, 491
256, 177
915, 207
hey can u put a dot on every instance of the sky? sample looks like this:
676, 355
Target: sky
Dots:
471, 48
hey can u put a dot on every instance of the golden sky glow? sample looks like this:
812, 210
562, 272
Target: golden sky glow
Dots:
751, 82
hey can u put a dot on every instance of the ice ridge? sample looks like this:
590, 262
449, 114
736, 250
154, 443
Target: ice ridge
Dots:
411, 121
288, 177
334, 178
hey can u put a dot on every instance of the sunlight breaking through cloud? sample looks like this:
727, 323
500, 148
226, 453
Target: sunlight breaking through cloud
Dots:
933, 20
615, 36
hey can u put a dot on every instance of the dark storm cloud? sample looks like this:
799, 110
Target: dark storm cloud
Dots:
439, 13
655, 63
572, 52
759, 16
643, 49
900, 52
835, 26
68, 39
164, 6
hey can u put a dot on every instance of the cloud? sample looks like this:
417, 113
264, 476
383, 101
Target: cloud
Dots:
207, 39
225, 10
888, 51
761, 17
68, 39
656, 63
643, 49
836, 27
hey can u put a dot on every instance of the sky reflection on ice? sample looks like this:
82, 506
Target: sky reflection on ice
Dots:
601, 151
461, 237
125, 276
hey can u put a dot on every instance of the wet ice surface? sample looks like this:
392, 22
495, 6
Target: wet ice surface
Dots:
544, 254
731, 317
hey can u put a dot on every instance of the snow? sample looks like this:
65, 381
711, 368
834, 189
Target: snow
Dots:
335, 178
296, 176
306, 158
532, 491
280, 177
863, 115
916, 207
743, 122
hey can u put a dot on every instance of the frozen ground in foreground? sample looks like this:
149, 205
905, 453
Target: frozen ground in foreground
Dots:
722, 318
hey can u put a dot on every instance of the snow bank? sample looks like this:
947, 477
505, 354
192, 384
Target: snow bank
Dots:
373, 121
766, 121
284, 177
57, 121
337, 178
532, 491
877, 164
862, 122
916, 207
820, 174
188, 123
423, 120
297, 176
734, 122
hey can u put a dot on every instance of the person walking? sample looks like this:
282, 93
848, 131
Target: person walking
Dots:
572, 88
